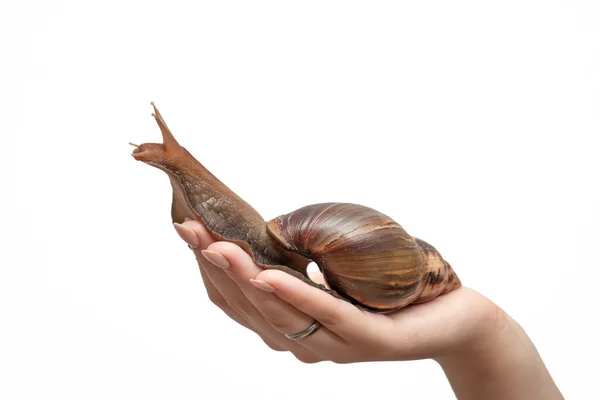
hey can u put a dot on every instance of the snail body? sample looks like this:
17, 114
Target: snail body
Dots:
366, 257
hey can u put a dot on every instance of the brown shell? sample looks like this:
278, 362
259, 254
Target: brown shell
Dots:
362, 253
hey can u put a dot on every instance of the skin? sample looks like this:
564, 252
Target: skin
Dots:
483, 352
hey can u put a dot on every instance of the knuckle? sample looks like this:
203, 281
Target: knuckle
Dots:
307, 358
332, 317
338, 359
277, 322
274, 316
219, 301
241, 307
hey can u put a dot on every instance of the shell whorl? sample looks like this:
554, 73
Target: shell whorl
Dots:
363, 254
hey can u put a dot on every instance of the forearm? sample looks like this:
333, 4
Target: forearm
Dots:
506, 367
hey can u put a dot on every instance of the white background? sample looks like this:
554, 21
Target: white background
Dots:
473, 124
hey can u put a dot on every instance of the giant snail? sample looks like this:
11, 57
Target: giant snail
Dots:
366, 257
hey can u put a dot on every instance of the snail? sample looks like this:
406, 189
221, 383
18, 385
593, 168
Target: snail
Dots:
365, 257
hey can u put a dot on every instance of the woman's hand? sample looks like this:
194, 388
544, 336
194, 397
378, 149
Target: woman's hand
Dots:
483, 352
273, 303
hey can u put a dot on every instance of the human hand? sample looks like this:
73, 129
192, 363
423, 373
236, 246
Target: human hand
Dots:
483, 352
273, 303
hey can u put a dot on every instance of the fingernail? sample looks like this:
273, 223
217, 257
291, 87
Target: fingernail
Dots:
216, 258
262, 285
188, 235
188, 219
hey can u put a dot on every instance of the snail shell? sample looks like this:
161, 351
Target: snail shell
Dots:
365, 255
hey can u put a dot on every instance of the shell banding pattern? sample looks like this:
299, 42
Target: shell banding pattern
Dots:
363, 254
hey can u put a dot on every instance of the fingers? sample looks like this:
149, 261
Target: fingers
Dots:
227, 295
336, 315
217, 299
228, 272
232, 301
197, 237
283, 317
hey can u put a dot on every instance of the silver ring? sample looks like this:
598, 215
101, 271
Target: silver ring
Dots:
305, 333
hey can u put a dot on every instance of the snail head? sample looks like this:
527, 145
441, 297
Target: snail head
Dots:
165, 155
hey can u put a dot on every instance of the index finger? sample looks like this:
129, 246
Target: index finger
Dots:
195, 234
337, 315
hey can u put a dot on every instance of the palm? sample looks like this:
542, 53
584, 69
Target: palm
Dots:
431, 329
446, 323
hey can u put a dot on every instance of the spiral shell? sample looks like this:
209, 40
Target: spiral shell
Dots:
364, 255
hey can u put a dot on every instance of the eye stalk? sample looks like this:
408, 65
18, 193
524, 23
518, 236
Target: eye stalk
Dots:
168, 139
157, 151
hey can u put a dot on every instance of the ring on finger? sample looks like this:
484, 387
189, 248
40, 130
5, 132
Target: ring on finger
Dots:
305, 333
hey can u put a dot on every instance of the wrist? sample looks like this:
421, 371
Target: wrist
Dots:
485, 347
504, 364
